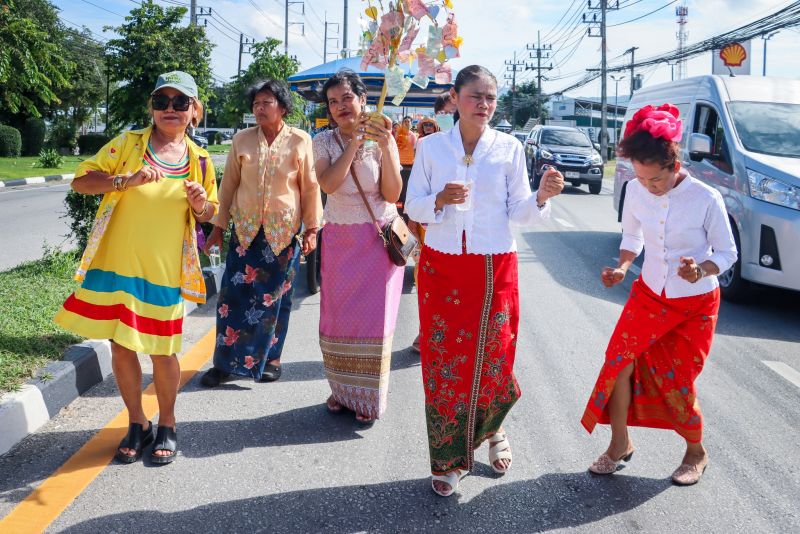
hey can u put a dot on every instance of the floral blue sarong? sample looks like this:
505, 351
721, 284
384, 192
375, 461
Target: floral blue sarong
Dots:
254, 305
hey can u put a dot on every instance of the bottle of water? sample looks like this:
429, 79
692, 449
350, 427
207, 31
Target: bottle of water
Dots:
213, 256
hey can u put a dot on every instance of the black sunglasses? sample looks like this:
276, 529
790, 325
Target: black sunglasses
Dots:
179, 102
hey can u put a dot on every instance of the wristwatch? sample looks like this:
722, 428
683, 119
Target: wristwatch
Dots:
701, 273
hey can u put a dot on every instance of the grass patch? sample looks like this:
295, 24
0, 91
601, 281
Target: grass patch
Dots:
610, 168
30, 295
219, 149
15, 168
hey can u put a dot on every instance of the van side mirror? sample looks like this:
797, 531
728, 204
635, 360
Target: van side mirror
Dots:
597, 146
699, 146
530, 141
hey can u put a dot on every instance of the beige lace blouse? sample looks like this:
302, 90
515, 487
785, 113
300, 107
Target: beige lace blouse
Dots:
345, 206
270, 186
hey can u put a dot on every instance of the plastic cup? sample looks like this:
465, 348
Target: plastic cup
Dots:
467, 205
213, 256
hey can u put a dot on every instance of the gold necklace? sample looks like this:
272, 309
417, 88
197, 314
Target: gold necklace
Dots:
468, 159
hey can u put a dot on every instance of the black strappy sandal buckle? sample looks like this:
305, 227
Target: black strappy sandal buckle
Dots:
136, 439
166, 440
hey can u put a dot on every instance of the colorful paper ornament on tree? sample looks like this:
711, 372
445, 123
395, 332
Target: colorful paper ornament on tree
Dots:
416, 8
372, 12
434, 45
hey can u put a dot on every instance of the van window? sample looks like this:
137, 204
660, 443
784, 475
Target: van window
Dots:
706, 121
768, 127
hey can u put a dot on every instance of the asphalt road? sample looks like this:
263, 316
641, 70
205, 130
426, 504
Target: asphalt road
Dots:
269, 458
30, 219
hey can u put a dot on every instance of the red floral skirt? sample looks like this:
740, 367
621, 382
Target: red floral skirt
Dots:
667, 340
469, 315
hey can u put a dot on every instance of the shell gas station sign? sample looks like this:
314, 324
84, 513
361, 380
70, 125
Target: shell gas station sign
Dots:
732, 59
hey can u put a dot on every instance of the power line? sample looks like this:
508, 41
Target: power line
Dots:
643, 16
101, 7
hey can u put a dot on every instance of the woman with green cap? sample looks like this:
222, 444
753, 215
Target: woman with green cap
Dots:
141, 260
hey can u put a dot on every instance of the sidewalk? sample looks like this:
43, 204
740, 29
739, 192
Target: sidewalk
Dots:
82, 367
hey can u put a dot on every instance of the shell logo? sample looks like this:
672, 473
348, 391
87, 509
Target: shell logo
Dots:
733, 55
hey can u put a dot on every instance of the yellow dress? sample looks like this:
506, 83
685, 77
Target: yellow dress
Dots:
131, 292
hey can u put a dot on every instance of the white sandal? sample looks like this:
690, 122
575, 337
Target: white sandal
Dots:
499, 450
452, 478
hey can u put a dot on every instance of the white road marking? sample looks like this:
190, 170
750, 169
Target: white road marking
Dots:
563, 222
633, 268
786, 371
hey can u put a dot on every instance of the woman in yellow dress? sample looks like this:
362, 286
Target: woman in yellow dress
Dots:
141, 260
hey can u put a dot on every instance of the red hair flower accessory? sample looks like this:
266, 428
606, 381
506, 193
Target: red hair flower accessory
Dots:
659, 122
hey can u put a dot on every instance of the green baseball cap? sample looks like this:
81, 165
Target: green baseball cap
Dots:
179, 80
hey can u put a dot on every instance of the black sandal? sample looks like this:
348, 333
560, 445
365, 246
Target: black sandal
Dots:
166, 440
136, 439
271, 373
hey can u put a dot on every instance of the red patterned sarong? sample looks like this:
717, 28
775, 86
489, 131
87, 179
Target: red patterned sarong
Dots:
667, 340
469, 315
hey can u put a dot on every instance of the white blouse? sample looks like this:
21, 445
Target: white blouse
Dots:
500, 192
690, 220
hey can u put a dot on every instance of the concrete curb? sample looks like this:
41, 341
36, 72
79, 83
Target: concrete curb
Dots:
35, 180
59, 383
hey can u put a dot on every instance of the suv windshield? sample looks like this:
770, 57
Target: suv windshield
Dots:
565, 138
767, 127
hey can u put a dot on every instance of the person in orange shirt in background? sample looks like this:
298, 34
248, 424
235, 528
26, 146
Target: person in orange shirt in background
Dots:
406, 141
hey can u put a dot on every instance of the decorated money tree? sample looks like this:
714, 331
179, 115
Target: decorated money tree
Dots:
389, 40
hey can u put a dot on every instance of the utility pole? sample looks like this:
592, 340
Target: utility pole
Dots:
326, 39
513, 67
632, 51
243, 41
593, 23
618, 78
344, 31
192, 13
766, 38
287, 23
537, 53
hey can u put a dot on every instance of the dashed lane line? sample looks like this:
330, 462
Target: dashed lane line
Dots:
786, 371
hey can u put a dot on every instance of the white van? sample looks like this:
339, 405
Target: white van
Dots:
741, 135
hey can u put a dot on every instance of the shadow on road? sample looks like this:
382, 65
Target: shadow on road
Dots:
552, 501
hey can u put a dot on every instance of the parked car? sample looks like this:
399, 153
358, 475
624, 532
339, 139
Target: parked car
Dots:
199, 140
742, 137
567, 149
520, 135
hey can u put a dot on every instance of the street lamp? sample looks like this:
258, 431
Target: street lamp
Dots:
616, 79
766, 38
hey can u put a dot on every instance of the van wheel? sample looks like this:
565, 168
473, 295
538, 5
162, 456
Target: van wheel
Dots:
595, 188
732, 286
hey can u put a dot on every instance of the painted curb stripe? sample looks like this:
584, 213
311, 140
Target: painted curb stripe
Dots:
54, 495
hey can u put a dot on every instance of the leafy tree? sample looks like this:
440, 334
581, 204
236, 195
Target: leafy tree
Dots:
88, 77
151, 42
33, 69
268, 62
521, 105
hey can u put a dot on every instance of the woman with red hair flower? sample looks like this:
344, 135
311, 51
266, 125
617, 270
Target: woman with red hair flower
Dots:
665, 331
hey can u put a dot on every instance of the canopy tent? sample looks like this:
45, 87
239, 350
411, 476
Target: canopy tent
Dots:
308, 83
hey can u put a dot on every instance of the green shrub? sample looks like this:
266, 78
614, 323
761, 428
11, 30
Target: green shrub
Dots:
49, 158
90, 144
10, 142
62, 135
33, 133
80, 212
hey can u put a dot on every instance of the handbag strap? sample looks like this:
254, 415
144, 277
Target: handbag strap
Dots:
360, 190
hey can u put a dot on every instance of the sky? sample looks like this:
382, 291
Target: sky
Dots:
493, 31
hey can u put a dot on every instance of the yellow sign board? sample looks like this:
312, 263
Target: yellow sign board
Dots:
321, 123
